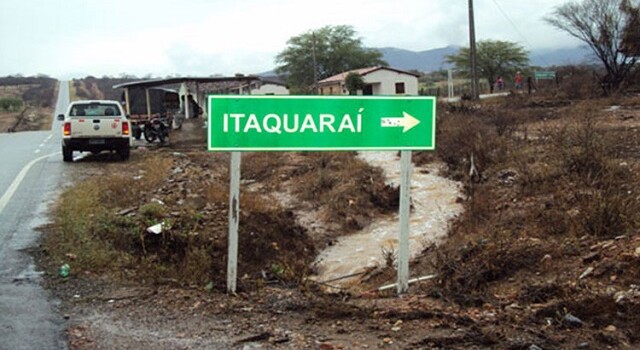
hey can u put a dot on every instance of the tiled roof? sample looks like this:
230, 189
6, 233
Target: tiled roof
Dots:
342, 76
362, 71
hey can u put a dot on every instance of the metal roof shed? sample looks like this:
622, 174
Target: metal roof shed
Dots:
147, 84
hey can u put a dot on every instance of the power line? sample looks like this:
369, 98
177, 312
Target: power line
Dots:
515, 28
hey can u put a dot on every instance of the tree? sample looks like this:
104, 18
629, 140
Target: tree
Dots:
631, 33
334, 49
601, 25
495, 58
354, 82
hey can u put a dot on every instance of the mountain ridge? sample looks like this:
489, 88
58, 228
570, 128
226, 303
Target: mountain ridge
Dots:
435, 59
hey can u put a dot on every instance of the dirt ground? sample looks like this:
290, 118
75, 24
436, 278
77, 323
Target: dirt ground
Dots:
524, 268
104, 315
36, 112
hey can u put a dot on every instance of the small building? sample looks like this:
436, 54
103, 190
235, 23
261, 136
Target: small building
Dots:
197, 87
379, 81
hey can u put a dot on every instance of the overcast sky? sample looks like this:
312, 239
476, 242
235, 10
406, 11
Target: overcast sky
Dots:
74, 38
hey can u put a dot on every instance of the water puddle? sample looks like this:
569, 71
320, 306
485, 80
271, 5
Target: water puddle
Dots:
28, 275
434, 205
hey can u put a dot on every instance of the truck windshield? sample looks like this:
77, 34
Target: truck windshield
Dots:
95, 110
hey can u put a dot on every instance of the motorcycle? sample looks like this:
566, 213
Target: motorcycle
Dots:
157, 128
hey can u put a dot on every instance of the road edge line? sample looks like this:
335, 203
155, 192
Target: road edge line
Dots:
4, 200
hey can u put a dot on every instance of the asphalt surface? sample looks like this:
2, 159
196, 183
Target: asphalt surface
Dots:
30, 178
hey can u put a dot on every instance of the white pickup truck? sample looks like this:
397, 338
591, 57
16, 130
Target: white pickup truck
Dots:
95, 126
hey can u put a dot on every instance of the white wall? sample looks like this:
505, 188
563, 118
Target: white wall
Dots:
270, 89
384, 82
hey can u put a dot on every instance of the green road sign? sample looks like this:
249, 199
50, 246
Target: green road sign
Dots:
321, 123
545, 75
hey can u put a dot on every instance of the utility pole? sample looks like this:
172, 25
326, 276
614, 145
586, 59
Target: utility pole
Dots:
473, 58
315, 64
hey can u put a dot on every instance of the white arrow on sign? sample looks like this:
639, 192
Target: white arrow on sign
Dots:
407, 122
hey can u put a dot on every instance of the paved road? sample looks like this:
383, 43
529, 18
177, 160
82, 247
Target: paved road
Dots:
30, 177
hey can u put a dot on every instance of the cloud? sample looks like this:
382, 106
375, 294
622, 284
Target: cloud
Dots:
191, 61
211, 36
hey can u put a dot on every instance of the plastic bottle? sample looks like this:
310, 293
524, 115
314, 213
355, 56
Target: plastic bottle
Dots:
64, 270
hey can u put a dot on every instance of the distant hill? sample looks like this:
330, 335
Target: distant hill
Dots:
559, 57
435, 59
424, 61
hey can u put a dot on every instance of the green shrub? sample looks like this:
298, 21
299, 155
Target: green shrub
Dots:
9, 104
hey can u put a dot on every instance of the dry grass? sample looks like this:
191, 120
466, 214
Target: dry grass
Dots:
467, 271
350, 192
535, 197
92, 227
346, 190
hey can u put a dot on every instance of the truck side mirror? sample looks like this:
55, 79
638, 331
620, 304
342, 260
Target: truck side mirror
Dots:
60, 117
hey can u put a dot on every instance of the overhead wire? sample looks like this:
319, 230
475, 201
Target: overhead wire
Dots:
515, 28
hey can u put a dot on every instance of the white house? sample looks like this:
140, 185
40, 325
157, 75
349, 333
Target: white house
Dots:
378, 80
262, 87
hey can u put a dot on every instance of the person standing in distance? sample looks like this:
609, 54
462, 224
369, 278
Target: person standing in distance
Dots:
518, 81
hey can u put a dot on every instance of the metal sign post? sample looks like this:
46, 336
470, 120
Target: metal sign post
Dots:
234, 219
405, 209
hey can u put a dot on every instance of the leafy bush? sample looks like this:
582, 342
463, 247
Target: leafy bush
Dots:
10, 104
